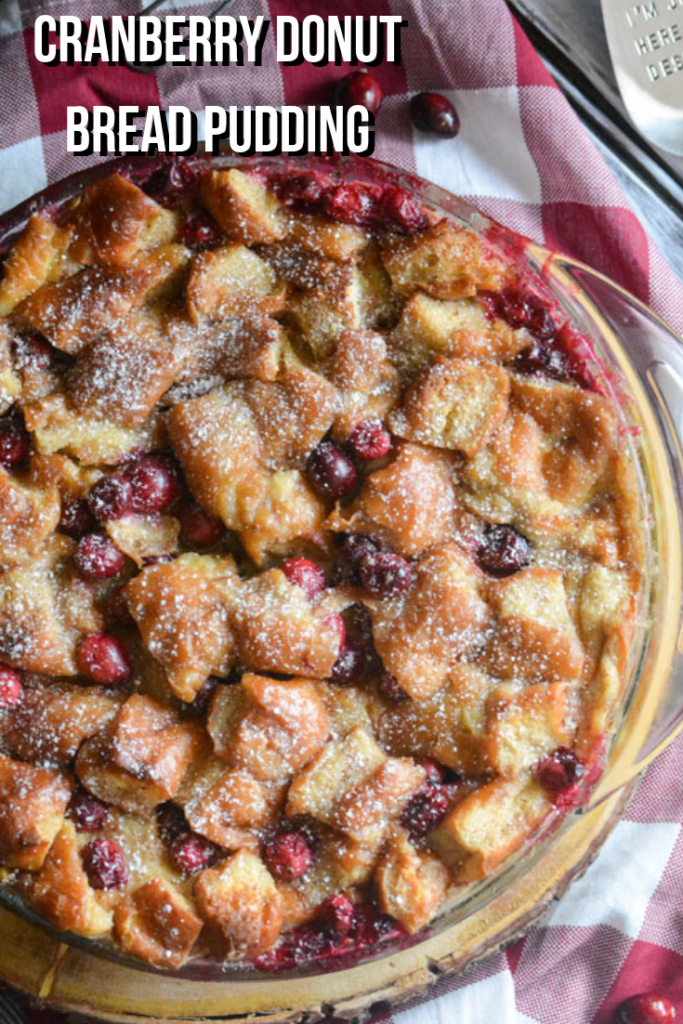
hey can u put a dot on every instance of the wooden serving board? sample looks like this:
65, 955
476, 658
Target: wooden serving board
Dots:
69, 978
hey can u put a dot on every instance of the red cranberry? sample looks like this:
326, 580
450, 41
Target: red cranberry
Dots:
402, 211
36, 353
503, 550
522, 309
307, 188
198, 528
204, 697
560, 771
432, 112
15, 443
11, 690
647, 1008
369, 925
351, 663
171, 822
330, 471
436, 773
155, 484
97, 557
76, 518
335, 916
111, 497
426, 809
351, 203
87, 812
356, 545
389, 687
384, 574
181, 175
360, 89
191, 853
200, 232
305, 574
370, 440
288, 855
104, 658
336, 623
104, 864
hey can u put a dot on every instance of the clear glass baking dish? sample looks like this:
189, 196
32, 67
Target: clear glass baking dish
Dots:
642, 363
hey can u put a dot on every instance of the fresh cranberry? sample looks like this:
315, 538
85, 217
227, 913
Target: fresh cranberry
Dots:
330, 471
647, 1008
87, 812
432, 112
288, 855
560, 771
436, 773
384, 574
191, 853
335, 916
97, 557
352, 203
198, 528
104, 864
369, 926
335, 622
389, 687
181, 175
37, 353
370, 440
401, 211
351, 663
155, 484
11, 690
305, 574
15, 443
503, 550
171, 822
426, 809
111, 497
200, 232
76, 518
104, 658
360, 89
204, 697
356, 545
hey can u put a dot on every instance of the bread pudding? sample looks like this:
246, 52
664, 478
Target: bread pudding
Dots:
321, 552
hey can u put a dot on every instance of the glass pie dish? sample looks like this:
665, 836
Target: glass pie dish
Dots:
643, 364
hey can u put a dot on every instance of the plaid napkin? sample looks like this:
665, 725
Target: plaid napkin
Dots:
523, 158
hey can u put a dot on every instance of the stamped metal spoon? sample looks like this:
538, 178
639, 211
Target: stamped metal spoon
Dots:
646, 45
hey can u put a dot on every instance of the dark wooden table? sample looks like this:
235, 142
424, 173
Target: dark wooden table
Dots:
570, 36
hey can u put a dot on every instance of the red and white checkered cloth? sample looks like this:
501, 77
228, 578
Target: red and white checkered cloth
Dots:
523, 158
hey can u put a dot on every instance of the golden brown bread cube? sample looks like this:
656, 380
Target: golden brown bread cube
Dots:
269, 728
347, 300
411, 502
245, 346
217, 441
420, 634
228, 806
156, 923
445, 261
329, 239
366, 378
458, 328
341, 768
113, 219
289, 511
231, 280
411, 884
377, 799
240, 903
32, 806
37, 256
92, 440
28, 516
607, 606
145, 537
122, 376
488, 825
278, 630
524, 726
60, 891
449, 726
139, 760
242, 206
454, 404
52, 720
74, 311
183, 618
538, 638
11, 383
